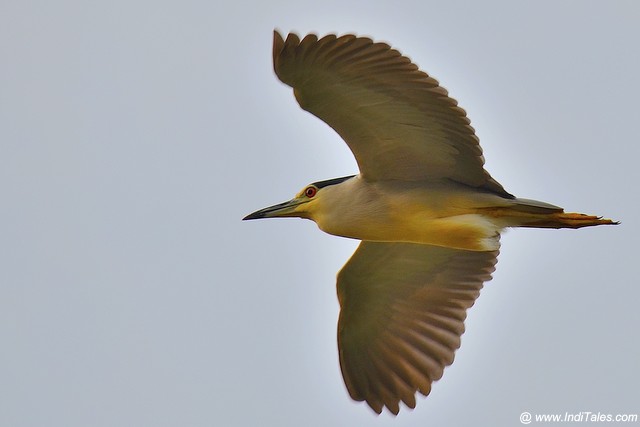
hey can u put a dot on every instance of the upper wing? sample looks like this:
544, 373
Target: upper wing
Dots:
398, 122
402, 311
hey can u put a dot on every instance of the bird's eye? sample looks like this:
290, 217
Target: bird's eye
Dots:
310, 192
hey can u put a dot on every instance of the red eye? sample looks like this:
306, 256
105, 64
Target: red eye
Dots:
310, 192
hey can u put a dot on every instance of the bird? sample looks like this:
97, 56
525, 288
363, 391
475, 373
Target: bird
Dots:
427, 213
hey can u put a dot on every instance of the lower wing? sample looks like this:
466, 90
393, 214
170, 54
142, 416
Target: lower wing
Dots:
402, 314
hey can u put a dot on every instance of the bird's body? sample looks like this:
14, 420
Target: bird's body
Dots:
444, 214
428, 215
391, 211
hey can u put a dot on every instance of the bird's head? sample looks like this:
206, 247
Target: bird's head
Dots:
304, 205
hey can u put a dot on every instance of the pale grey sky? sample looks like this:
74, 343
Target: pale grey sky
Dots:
134, 136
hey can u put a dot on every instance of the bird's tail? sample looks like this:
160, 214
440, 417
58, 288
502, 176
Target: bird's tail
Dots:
536, 214
567, 220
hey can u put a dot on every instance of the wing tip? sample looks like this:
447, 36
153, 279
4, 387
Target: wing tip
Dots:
277, 37
278, 46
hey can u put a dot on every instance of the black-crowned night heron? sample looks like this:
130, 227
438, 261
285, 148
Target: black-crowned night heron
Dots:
428, 215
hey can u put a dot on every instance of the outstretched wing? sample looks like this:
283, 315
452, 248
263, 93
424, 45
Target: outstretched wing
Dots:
398, 122
402, 314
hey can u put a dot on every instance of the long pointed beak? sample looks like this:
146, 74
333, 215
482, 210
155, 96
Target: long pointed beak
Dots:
286, 209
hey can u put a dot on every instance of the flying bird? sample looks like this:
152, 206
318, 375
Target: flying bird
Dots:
428, 214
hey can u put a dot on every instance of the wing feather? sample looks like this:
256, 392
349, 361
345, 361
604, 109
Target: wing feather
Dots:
398, 122
402, 314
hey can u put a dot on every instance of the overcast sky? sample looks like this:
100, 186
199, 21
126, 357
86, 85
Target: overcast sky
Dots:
134, 136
